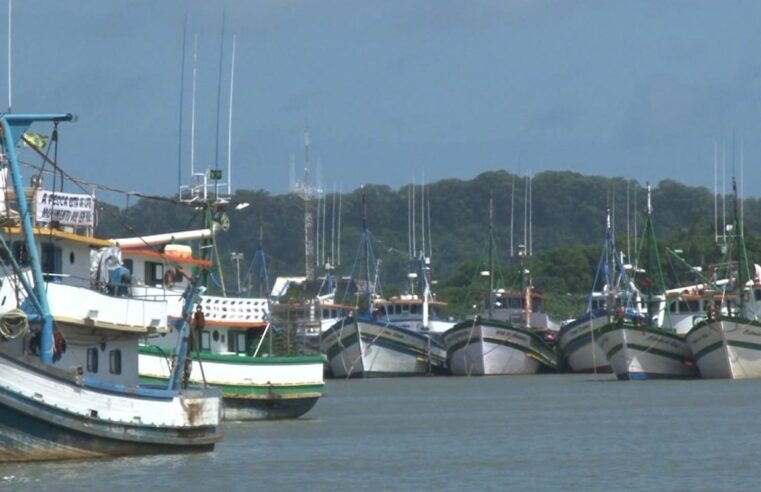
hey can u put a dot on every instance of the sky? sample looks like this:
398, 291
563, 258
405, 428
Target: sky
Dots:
391, 91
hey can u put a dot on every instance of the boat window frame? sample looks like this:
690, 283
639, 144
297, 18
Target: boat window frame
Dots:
92, 360
115, 361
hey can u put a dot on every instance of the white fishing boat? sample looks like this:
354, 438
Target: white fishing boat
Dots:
727, 347
727, 344
367, 346
483, 347
371, 343
576, 345
232, 337
638, 351
511, 335
68, 354
639, 340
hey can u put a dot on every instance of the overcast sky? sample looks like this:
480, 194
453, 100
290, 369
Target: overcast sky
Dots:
392, 90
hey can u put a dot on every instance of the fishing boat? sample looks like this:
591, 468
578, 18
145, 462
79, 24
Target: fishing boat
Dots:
727, 344
232, 337
233, 334
368, 343
640, 341
509, 336
69, 384
576, 344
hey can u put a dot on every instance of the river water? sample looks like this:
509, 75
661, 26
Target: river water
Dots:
539, 432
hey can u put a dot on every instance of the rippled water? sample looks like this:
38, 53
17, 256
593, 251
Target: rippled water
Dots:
495, 433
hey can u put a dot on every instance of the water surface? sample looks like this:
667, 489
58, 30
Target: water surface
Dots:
444, 433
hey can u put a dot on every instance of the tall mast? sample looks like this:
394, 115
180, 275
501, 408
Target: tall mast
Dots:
715, 191
324, 217
414, 233
409, 223
10, 52
182, 94
338, 246
724, 192
422, 214
742, 263
525, 216
333, 228
628, 229
530, 217
230, 125
193, 111
512, 217
491, 255
430, 241
219, 99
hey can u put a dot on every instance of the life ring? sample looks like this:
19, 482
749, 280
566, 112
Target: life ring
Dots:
169, 279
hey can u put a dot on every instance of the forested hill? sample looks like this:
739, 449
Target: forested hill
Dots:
567, 214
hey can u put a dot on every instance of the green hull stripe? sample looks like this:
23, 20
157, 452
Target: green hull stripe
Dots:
646, 350
239, 359
619, 325
708, 349
747, 345
542, 358
259, 392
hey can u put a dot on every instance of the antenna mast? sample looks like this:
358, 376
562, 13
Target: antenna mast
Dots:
307, 192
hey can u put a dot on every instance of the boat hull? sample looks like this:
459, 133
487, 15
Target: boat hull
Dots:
639, 352
489, 347
253, 388
727, 348
579, 351
45, 414
364, 347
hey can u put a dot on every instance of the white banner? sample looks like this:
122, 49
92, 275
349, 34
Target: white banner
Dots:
65, 208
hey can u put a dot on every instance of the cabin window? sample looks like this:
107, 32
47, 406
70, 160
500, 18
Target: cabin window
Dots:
694, 306
205, 341
92, 359
115, 361
757, 294
415, 309
154, 272
20, 253
71, 257
683, 307
236, 342
672, 307
215, 335
51, 261
129, 264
